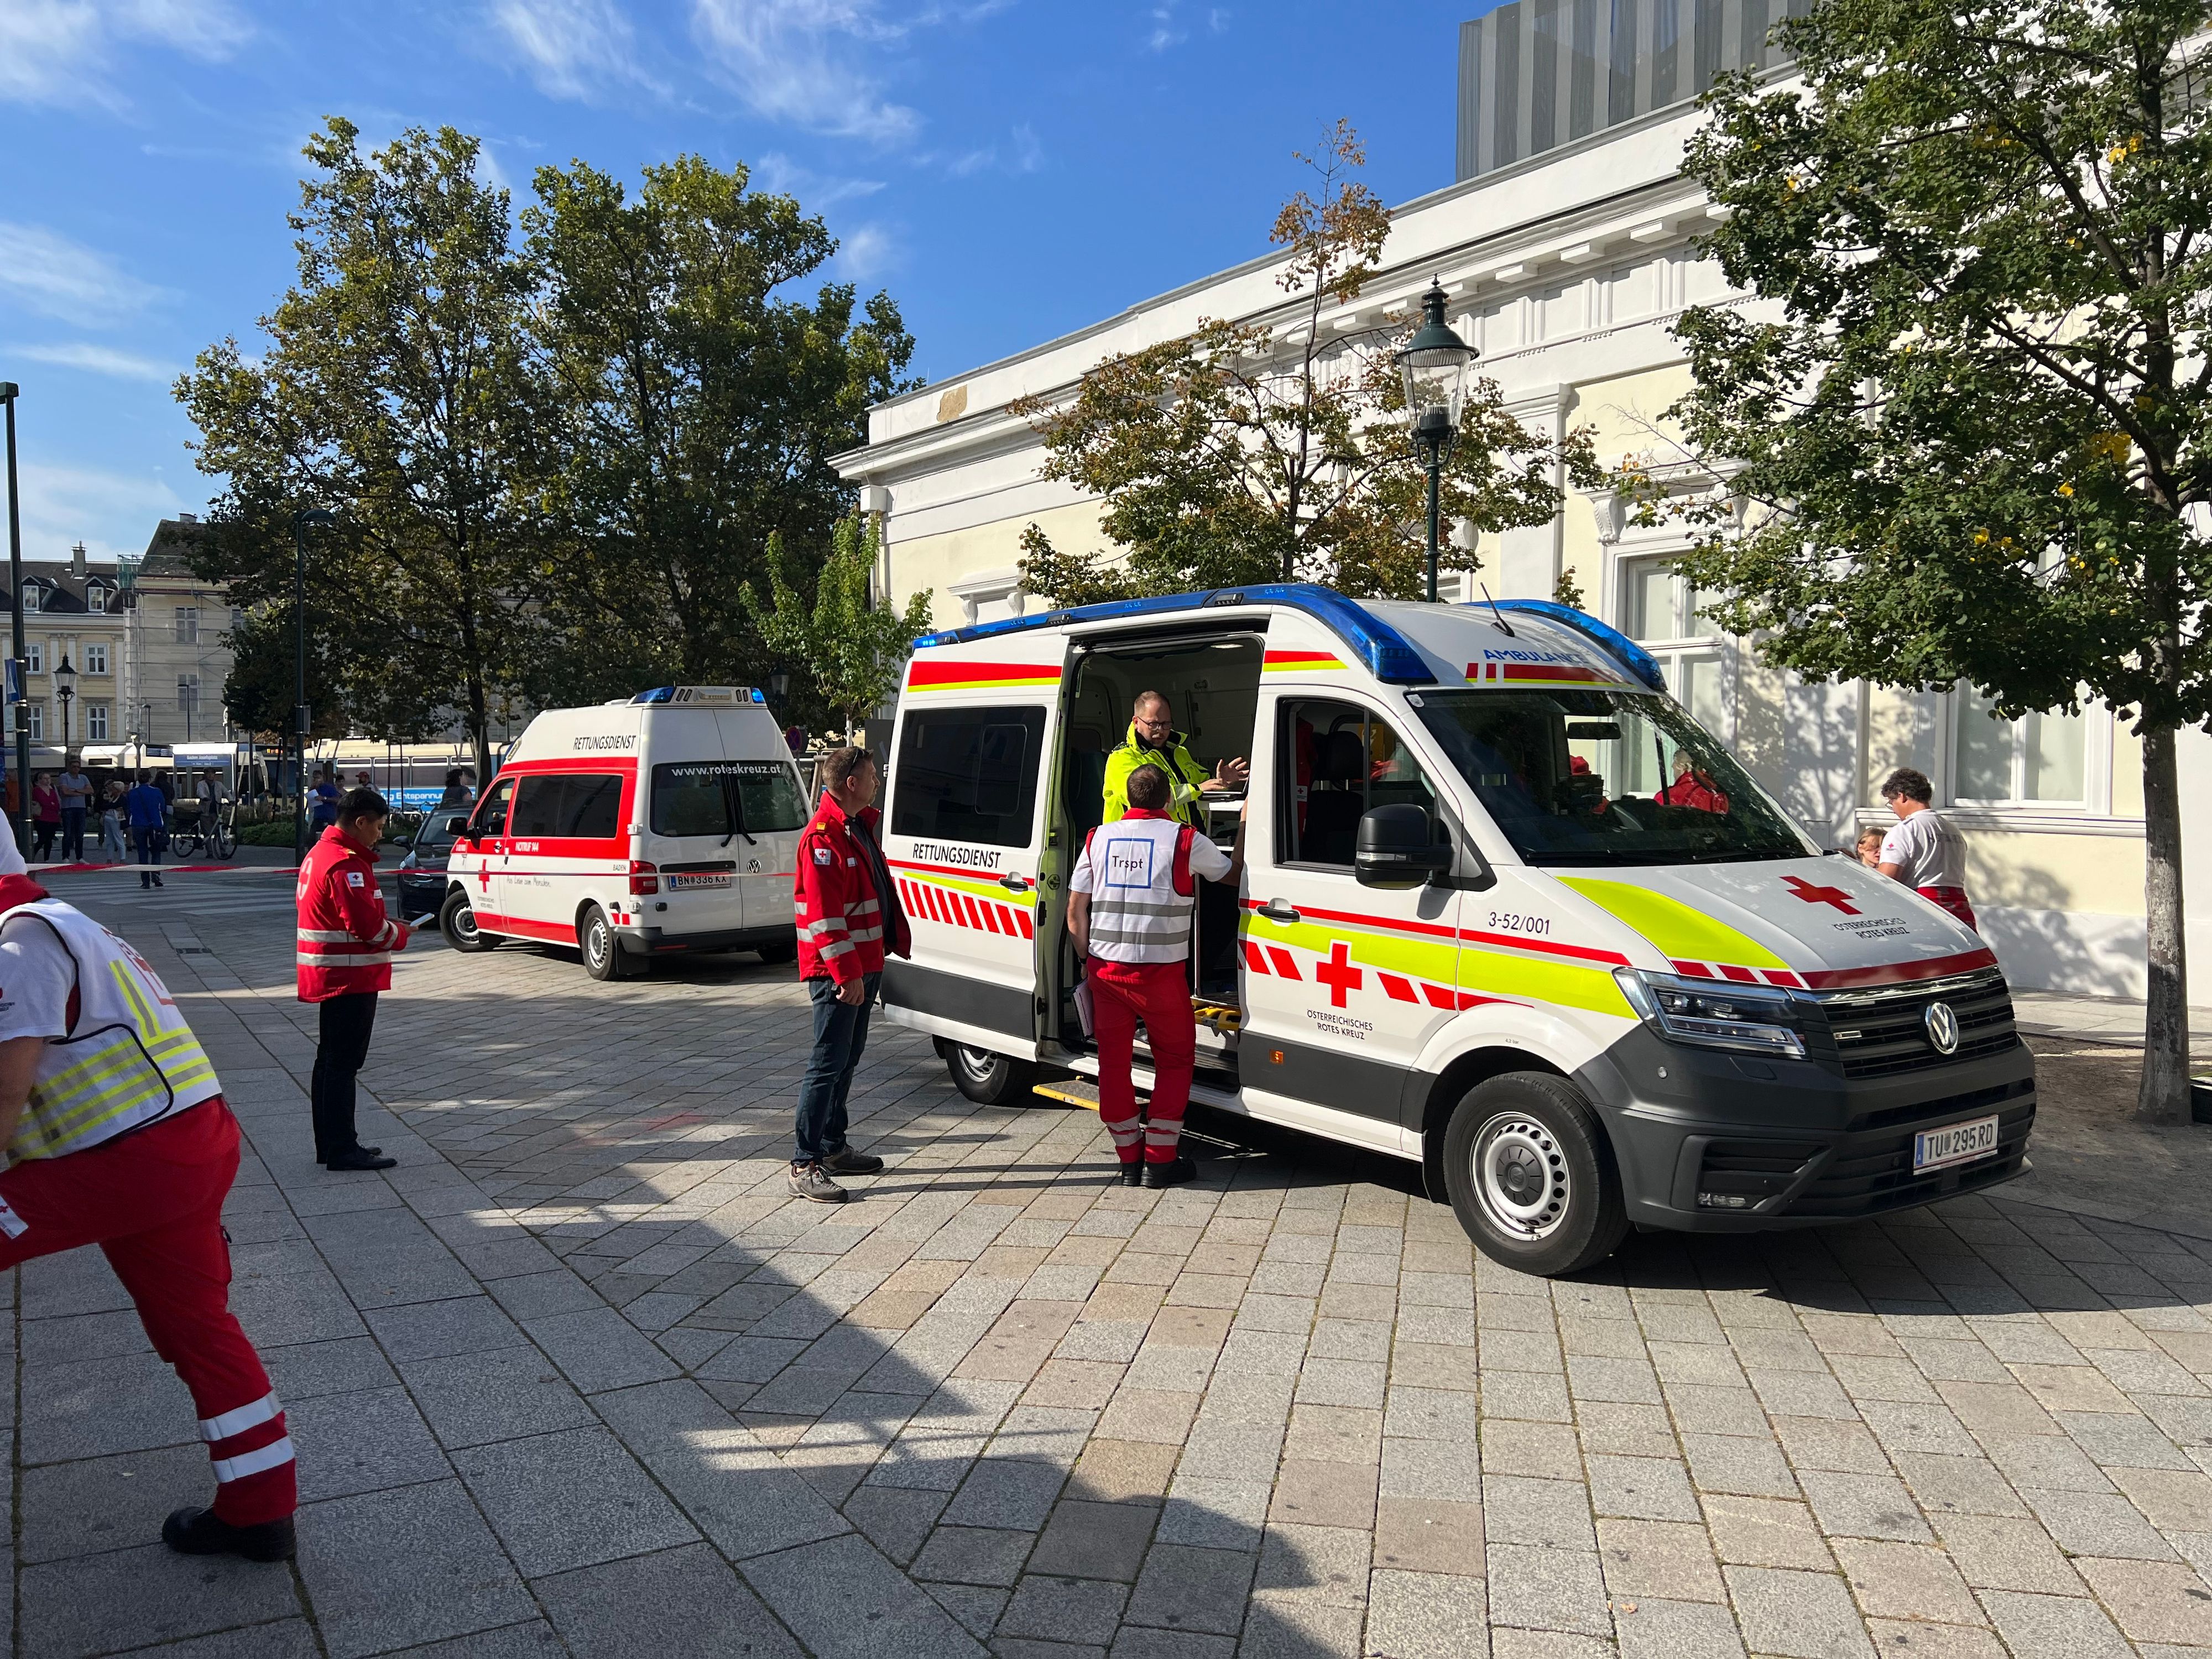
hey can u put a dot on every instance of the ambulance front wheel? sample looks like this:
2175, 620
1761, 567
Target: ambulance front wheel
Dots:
989, 1078
1532, 1176
459, 924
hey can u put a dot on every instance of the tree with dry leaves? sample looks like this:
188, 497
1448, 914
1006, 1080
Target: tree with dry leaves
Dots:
1277, 451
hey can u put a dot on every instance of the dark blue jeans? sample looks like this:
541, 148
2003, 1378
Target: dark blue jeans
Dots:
841, 1033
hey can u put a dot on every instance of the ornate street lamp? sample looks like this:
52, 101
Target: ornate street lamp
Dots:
1434, 364
65, 688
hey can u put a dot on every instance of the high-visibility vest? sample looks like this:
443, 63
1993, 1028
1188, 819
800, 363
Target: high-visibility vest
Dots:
128, 1056
1142, 896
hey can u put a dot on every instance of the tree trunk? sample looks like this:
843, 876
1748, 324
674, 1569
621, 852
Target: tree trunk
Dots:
2164, 1097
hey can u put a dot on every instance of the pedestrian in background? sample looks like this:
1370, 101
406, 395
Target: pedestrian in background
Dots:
1132, 898
150, 828
323, 802
1868, 848
1922, 850
76, 791
46, 814
112, 844
848, 915
346, 944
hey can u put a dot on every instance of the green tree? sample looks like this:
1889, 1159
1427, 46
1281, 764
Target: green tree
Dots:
1974, 426
257, 696
854, 652
1243, 453
397, 390
699, 404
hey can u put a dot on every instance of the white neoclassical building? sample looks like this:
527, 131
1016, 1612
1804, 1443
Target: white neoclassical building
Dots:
1568, 248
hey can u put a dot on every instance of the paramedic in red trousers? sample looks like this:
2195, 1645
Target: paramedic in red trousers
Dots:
117, 1135
848, 915
1921, 850
1131, 901
345, 950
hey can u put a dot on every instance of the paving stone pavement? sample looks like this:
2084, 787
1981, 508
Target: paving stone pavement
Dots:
579, 1377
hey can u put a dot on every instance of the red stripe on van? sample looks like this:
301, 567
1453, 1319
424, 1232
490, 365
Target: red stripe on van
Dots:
968, 904
1398, 988
921, 674
1783, 976
1253, 958
1285, 964
1440, 997
1694, 969
1741, 976
990, 920
1899, 973
1023, 917
1006, 921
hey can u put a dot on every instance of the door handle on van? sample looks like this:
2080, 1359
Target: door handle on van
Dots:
1018, 884
1277, 910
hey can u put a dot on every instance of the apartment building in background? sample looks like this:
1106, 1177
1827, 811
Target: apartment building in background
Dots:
72, 613
176, 631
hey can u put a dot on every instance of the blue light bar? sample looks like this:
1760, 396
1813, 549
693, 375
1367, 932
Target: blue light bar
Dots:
658, 694
1631, 656
1388, 656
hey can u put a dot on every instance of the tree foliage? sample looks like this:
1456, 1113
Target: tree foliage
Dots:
1974, 422
257, 696
855, 651
1256, 453
396, 388
699, 404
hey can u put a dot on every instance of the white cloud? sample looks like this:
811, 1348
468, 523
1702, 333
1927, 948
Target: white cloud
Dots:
1022, 154
1164, 33
778, 175
61, 52
579, 48
798, 61
108, 512
49, 274
99, 359
866, 252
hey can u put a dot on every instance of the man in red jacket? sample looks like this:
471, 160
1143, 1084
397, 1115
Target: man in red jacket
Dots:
345, 950
848, 915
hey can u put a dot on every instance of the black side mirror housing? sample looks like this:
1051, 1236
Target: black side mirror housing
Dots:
1398, 846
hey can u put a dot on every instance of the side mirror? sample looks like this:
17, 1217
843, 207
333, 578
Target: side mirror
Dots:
1398, 846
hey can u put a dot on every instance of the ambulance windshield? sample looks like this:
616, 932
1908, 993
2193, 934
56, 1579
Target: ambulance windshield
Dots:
1576, 777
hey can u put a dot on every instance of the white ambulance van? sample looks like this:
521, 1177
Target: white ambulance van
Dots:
1507, 911
636, 829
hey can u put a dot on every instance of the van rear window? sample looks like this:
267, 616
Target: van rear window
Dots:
968, 774
581, 805
725, 798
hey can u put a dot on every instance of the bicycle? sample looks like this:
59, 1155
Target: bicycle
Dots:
195, 835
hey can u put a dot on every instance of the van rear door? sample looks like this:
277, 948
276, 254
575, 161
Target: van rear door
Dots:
691, 834
965, 840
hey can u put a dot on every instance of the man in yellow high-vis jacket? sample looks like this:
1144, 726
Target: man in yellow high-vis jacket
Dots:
1153, 741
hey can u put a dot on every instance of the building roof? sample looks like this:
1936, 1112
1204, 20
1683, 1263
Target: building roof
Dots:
61, 590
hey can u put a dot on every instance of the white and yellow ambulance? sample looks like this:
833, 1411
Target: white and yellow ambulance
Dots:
1506, 911
665, 822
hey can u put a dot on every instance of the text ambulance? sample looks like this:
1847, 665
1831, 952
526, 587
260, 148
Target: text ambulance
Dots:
635, 829
1506, 911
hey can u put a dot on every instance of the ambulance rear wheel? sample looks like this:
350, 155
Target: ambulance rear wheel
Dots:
604, 957
987, 1078
458, 922
1532, 1176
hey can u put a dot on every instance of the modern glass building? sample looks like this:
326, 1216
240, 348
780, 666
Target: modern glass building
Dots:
1537, 74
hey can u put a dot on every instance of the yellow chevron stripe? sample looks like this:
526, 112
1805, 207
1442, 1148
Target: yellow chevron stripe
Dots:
1671, 926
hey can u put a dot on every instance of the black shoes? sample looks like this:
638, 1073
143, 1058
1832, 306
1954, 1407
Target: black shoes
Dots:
191, 1531
360, 1157
809, 1182
848, 1161
1170, 1174
1132, 1173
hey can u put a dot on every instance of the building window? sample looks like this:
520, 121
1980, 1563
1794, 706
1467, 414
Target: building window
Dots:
1658, 609
188, 694
95, 722
38, 721
95, 657
95, 597
2037, 759
36, 653
188, 624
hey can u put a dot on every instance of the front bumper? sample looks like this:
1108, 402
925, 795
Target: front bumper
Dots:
421, 893
1723, 1143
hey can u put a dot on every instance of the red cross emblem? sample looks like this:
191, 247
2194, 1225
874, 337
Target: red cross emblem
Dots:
1812, 895
484, 877
1339, 975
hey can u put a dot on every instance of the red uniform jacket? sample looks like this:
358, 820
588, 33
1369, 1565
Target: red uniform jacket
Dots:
346, 941
845, 924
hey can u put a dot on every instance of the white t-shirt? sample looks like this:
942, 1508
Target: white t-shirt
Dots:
37, 973
1926, 851
1207, 862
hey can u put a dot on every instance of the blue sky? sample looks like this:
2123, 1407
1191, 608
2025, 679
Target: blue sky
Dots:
1008, 169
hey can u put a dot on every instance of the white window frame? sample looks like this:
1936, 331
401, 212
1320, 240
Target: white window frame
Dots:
188, 693
34, 596
1694, 636
95, 722
35, 655
2015, 810
38, 707
95, 597
95, 664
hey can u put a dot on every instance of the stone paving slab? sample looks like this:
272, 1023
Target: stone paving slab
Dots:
579, 1377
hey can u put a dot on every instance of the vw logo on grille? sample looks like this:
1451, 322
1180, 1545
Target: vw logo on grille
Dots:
1942, 1023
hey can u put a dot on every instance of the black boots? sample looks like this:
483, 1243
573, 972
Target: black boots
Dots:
1171, 1174
191, 1531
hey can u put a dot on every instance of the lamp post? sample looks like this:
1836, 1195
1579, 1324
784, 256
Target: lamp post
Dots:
301, 520
1434, 364
65, 688
8, 392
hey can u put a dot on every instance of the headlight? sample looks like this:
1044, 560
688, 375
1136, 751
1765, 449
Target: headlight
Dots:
1757, 1019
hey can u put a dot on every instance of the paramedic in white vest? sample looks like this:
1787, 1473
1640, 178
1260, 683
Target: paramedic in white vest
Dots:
117, 1135
1922, 850
1131, 899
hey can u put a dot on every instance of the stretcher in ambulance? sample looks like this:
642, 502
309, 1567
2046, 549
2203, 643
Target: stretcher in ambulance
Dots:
1506, 912
635, 829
